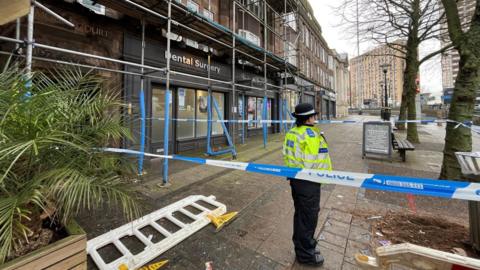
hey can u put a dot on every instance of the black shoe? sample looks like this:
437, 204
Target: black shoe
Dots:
318, 261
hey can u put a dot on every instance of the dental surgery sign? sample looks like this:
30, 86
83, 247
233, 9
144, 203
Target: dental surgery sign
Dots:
195, 62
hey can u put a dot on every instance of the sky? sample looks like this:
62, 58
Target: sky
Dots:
430, 72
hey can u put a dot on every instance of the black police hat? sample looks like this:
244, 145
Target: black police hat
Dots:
304, 110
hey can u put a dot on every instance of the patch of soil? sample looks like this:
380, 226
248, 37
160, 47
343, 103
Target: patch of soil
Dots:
48, 233
427, 231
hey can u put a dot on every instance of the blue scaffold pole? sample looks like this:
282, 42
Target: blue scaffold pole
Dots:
280, 113
209, 123
166, 134
166, 130
142, 132
243, 119
143, 113
264, 117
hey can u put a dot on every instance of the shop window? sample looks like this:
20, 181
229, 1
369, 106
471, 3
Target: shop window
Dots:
251, 111
202, 113
269, 111
259, 112
217, 127
255, 111
158, 111
186, 110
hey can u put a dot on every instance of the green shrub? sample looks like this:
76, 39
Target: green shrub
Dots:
50, 163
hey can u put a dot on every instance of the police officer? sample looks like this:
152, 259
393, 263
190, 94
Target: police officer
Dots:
306, 148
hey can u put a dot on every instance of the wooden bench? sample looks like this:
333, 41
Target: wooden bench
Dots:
402, 146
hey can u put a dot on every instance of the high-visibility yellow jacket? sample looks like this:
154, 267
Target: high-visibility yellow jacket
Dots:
305, 148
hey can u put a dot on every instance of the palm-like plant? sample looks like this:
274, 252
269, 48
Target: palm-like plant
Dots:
50, 133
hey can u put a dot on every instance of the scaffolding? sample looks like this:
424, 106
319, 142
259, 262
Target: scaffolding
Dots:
277, 53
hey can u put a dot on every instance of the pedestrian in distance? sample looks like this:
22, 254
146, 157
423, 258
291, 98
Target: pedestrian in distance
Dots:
305, 147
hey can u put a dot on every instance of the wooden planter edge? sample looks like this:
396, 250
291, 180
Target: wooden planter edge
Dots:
77, 239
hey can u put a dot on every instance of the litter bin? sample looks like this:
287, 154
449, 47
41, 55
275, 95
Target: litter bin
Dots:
386, 114
470, 164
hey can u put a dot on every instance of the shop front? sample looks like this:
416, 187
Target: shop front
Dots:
188, 105
327, 102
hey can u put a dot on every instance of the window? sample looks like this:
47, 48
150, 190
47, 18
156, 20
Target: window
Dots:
259, 112
251, 111
255, 6
307, 70
291, 20
255, 111
307, 38
217, 127
207, 13
192, 6
186, 110
202, 113
158, 111
193, 105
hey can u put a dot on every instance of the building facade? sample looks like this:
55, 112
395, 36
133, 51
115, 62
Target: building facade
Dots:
258, 58
367, 79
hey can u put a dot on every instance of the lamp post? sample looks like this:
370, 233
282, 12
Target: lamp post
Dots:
385, 70
379, 98
385, 110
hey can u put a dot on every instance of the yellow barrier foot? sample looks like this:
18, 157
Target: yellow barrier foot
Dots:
153, 266
220, 221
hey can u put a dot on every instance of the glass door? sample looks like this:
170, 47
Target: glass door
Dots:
158, 122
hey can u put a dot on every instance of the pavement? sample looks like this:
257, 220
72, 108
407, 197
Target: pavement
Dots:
260, 237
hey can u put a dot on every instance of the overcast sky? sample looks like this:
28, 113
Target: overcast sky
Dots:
430, 74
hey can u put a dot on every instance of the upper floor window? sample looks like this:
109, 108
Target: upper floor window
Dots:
307, 38
255, 6
307, 71
191, 5
291, 20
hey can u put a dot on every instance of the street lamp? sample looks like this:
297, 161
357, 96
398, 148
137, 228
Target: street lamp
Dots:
385, 70
379, 98
385, 110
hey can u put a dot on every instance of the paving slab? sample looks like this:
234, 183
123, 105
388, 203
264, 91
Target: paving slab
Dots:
336, 227
340, 216
337, 240
359, 234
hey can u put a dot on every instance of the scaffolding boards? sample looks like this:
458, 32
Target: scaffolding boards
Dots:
276, 53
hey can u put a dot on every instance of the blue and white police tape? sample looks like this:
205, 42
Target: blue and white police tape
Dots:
467, 124
420, 121
410, 185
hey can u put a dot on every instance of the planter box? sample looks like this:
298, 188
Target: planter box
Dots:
67, 253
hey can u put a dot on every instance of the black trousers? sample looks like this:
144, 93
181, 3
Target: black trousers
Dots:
306, 199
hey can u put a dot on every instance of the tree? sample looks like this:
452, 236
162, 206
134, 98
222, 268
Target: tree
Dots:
466, 40
403, 26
